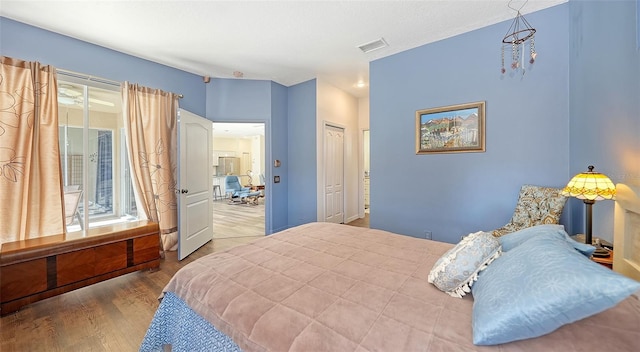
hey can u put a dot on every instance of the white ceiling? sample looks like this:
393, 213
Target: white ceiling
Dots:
287, 42
237, 129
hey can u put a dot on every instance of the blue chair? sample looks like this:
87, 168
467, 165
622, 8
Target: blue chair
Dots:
237, 193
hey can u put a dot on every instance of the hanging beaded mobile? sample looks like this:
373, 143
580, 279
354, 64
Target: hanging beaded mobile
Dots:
532, 49
519, 32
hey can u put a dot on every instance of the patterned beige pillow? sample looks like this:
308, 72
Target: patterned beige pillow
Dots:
536, 206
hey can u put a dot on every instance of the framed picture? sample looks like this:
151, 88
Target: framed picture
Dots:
451, 129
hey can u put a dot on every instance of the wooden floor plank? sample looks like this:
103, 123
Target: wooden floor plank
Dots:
112, 315
237, 220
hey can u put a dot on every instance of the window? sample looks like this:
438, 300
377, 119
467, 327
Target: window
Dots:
93, 152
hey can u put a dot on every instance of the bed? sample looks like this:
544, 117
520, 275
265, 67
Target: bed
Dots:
329, 287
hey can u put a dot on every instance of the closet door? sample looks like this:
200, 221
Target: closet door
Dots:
334, 174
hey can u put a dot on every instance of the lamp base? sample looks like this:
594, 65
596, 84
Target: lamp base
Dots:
601, 252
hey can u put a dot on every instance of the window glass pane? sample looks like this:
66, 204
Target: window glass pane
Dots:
128, 197
92, 151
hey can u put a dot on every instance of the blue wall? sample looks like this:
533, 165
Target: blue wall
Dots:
604, 90
223, 100
290, 116
578, 105
526, 122
302, 153
233, 100
238, 100
279, 150
25, 42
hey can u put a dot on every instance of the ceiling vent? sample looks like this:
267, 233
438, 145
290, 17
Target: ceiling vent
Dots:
374, 45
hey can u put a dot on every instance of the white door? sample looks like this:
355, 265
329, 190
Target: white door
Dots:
195, 175
333, 174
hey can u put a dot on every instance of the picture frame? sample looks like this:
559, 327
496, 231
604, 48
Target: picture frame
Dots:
451, 129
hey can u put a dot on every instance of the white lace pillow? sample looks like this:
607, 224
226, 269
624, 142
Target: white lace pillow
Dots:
458, 268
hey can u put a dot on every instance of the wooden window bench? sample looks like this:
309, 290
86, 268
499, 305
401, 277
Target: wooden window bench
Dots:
35, 269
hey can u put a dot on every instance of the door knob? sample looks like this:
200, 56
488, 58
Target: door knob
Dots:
183, 191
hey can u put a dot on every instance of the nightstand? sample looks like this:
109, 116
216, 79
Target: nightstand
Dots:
606, 261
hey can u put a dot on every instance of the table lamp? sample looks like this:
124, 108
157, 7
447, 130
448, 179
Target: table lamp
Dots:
590, 186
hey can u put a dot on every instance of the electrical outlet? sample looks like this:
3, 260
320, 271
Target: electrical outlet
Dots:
427, 235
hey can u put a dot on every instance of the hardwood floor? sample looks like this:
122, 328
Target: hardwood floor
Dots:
108, 316
113, 315
363, 222
237, 220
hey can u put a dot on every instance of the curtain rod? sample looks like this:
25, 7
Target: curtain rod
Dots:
88, 77
94, 79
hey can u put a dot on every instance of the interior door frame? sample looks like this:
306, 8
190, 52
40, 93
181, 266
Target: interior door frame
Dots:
361, 202
268, 191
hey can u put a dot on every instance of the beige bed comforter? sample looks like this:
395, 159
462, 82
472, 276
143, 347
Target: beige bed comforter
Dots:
327, 287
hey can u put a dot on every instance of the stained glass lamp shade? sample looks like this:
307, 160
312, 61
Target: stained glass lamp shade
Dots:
590, 186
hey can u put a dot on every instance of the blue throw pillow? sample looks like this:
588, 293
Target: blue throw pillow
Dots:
514, 239
458, 268
538, 286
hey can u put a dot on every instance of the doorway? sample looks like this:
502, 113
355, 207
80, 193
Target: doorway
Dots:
239, 150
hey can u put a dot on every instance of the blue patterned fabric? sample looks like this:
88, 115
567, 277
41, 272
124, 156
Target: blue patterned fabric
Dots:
456, 270
514, 239
177, 325
538, 286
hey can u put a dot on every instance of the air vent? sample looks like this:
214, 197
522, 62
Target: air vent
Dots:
374, 45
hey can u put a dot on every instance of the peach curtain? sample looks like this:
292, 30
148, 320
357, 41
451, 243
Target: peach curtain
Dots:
151, 129
30, 175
